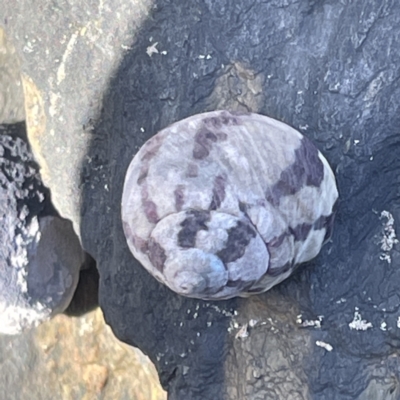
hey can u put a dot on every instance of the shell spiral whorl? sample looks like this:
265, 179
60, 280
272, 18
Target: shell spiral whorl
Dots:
221, 205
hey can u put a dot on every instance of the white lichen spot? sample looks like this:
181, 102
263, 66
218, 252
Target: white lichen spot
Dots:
142, 129
341, 300
152, 49
358, 323
61, 69
383, 326
208, 57
309, 323
164, 52
202, 56
209, 323
243, 333
253, 323
356, 141
223, 312
195, 315
324, 345
198, 334
389, 238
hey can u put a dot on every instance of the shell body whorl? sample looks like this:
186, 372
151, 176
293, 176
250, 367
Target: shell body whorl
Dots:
221, 205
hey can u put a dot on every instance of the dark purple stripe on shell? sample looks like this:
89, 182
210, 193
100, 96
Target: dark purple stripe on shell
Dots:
218, 192
243, 207
156, 254
224, 118
144, 170
306, 170
179, 197
195, 221
278, 240
238, 239
151, 147
141, 244
240, 284
300, 232
192, 170
327, 223
203, 141
280, 270
149, 207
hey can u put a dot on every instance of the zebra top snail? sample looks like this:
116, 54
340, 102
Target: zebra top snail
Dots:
221, 205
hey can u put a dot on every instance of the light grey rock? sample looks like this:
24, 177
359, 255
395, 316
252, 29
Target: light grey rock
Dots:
221, 205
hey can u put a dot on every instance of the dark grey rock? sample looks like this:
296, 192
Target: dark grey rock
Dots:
40, 254
329, 69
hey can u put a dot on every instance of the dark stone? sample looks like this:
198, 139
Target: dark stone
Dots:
306, 170
86, 296
238, 238
194, 222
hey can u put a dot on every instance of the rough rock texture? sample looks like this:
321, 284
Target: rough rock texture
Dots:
40, 254
74, 358
67, 358
220, 205
102, 78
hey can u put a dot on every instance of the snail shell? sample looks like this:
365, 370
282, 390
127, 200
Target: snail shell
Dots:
221, 205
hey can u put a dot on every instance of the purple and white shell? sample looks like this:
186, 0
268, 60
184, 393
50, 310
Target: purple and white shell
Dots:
221, 205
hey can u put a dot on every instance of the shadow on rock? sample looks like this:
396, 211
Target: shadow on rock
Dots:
294, 62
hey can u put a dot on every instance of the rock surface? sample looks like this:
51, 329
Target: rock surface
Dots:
40, 254
64, 358
74, 358
100, 79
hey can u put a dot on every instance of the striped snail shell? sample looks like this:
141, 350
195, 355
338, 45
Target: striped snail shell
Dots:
221, 205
